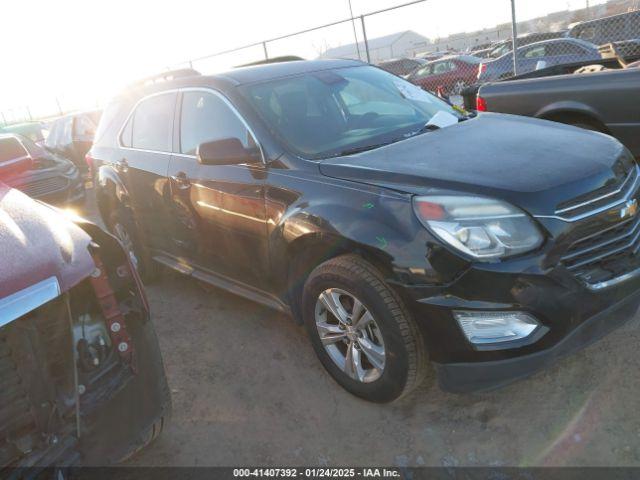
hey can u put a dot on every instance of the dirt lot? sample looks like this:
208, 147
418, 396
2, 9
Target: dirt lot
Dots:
247, 389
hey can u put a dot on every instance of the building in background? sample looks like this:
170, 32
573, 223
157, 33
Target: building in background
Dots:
397, 45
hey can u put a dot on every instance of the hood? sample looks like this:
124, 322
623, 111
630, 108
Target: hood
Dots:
534, 164
39, 243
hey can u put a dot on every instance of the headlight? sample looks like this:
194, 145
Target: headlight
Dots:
482, 228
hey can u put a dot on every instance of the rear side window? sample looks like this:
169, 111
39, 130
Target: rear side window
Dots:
11, 149
536, 52
206, 117
152, 123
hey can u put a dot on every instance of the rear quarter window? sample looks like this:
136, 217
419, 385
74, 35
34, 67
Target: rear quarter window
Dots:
152, 123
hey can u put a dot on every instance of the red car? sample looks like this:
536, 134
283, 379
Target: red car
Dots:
449, 74
81, 375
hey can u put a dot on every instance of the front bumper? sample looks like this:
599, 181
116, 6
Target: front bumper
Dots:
470, 376
572, 317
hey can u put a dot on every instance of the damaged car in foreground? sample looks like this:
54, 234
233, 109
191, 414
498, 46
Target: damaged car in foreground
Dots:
81, 376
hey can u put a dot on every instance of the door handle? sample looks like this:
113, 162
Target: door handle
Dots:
181, 180
122, 165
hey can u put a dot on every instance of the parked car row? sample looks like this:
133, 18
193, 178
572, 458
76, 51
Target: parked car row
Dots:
448, 72
38, 172
46, 160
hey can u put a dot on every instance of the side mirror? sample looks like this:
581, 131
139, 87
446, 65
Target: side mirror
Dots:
227, 151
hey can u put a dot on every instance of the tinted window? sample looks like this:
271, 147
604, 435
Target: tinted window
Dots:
153, 123
10, 149
206, 117
565, 48
535, 52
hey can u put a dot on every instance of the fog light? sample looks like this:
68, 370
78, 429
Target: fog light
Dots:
495, 327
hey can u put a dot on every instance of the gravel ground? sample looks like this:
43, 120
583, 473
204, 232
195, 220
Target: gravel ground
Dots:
247, 390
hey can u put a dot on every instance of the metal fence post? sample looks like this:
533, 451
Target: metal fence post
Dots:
366, 42
266, 54
355, 36
514, 36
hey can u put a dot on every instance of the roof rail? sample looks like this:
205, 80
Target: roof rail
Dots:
165, 77
282, 59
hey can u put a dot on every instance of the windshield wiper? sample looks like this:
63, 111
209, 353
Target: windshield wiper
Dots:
354, 150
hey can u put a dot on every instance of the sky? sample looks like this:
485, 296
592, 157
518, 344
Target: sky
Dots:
79, 53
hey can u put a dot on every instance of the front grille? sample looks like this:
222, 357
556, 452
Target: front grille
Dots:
611, 252
17, 421
35, 378
44, 187
601, 199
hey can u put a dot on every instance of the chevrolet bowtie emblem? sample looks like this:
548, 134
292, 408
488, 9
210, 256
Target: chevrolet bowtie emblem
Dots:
630, 209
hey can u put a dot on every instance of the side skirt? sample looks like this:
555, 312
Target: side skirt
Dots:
225, 283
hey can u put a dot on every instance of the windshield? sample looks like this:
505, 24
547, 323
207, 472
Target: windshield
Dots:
333, 112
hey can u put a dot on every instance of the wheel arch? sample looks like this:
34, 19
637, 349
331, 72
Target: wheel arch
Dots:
566, 112
308, 251
110, 191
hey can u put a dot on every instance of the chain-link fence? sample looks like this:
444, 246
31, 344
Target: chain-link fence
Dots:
446, 45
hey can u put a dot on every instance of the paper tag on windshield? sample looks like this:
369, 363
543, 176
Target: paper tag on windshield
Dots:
412, 92
443, 119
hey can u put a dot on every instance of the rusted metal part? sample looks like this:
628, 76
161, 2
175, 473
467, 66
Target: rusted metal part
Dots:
113, 315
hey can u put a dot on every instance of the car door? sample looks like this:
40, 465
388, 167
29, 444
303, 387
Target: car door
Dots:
218, 211
146, 142
529, 57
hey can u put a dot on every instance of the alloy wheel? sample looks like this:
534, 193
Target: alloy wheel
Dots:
350, 335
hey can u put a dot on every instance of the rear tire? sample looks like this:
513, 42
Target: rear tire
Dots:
379, 360
123, 226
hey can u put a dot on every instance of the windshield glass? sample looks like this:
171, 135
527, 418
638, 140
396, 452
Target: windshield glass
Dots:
332, 112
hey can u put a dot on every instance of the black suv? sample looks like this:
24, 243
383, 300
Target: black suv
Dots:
390, 224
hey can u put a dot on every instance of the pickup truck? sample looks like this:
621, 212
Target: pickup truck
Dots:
597, 97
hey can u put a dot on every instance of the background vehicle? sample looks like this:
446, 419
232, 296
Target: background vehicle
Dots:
362, 205
606, 101
625, 26
451, 74
402, 66
505, 46
82, 378
538, 55
38, 172
71, 136
34, 131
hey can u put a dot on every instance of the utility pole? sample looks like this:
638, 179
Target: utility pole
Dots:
353, 24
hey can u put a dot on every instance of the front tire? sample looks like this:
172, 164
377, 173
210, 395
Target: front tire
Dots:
361, 331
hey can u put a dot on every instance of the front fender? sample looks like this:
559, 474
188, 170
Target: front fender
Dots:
382, 226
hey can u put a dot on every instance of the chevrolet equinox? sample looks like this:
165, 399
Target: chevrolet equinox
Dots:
391, 225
